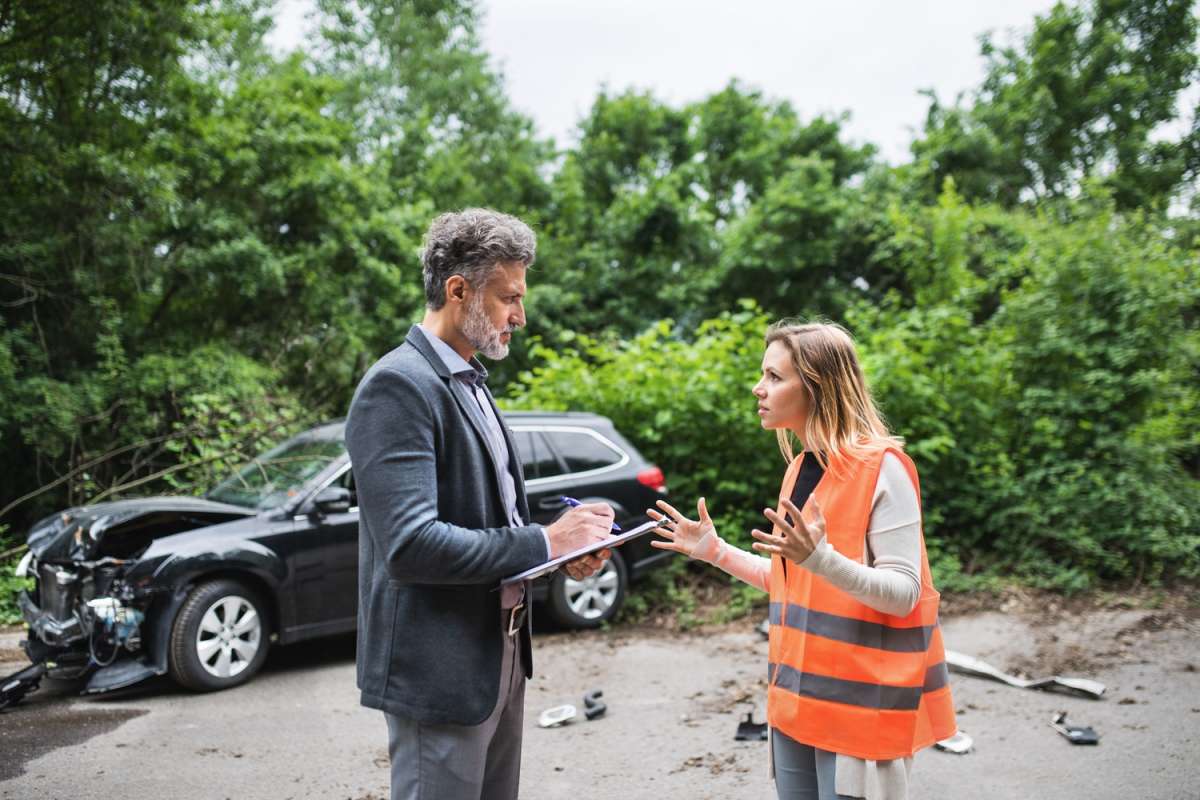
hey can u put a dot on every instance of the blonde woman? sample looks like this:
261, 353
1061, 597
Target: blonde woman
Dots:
856, 677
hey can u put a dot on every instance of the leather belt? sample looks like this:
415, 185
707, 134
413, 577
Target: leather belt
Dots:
516, 618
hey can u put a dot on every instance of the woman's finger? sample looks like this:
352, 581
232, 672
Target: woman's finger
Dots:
767, 548
775, 518
674, 548
670, 509
766, 537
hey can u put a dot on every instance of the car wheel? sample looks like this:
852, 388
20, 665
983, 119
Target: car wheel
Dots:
220, 637
592, 601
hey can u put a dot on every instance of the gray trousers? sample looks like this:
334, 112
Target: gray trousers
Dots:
803, 772
461, 762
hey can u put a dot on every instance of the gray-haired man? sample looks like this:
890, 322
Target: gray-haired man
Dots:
441, 651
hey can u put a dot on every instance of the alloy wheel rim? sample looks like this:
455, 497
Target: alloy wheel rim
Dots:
593, 597
229, 636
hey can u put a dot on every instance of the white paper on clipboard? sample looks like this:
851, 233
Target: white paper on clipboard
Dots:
553, 564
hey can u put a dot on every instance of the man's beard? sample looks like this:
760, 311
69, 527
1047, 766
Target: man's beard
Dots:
478, 331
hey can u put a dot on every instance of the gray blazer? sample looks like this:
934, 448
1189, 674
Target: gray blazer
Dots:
433, 542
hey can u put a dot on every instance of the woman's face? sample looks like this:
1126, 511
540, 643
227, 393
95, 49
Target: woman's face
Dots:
782, 401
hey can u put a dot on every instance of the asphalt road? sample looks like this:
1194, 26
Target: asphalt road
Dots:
674, 701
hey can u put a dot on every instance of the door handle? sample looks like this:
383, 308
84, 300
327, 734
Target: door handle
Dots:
551, 503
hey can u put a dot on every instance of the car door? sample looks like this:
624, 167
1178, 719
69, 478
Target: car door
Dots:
539, 462
324, 563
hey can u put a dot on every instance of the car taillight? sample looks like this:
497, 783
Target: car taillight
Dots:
653, 477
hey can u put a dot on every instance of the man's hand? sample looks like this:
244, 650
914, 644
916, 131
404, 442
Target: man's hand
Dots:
582, 525
587, 566
579, 527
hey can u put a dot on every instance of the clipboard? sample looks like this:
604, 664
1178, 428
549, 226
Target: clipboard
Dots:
555, 563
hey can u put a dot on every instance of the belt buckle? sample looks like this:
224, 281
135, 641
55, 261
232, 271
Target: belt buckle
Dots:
516, 618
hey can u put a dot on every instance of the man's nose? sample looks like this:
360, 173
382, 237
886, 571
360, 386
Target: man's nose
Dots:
518, 318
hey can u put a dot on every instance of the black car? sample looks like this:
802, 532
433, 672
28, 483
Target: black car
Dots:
200, 586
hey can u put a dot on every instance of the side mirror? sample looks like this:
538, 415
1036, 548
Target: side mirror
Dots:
332, 500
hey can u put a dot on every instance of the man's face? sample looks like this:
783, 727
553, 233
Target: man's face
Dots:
496, 309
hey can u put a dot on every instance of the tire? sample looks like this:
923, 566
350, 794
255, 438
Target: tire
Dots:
593, 601
219, 638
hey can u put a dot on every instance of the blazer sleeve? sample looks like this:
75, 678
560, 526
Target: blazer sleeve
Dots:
390, 437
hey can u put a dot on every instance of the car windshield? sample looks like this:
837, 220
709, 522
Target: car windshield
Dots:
278, 474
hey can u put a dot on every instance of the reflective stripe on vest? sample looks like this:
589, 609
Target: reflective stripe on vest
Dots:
842, 676
857, 693
853, 631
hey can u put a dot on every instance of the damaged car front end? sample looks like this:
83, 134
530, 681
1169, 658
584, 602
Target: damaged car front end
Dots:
193, 587
87, 611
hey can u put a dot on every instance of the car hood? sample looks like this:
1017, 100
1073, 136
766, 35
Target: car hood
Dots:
124, 528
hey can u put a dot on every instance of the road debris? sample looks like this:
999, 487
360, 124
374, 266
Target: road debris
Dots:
16, 686
969, 665
593, 706
1076, 734
750, 731
559, 715
960, 744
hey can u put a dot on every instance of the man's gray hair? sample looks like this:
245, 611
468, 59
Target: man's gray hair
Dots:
471, 243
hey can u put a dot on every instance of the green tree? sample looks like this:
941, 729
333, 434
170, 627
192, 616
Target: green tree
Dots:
1081, 96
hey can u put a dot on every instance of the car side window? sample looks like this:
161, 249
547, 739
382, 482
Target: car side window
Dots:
537, 460
346, 481
582, 451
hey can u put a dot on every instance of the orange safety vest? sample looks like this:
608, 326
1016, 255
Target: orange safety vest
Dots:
842, 676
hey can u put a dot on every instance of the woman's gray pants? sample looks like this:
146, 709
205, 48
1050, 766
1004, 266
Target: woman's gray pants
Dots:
803, 772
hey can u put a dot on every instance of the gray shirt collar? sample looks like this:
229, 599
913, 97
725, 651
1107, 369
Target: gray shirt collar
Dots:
472, 371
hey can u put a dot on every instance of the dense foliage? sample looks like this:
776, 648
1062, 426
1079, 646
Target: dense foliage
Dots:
203, 244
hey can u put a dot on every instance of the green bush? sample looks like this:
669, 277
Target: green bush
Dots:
1103, 364
10, 585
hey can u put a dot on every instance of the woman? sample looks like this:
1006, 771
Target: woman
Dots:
856, 681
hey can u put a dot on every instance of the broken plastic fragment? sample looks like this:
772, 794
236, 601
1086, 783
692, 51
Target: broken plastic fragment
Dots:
750, 731
593, 706
1077, 734
559, 715
969, 665
959, 744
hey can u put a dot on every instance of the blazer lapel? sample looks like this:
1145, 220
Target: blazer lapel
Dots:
466, 402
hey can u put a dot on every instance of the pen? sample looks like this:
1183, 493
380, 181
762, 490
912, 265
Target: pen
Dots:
572, 502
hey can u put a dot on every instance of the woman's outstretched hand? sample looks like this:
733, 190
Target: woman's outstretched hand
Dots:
796, 539
683, 535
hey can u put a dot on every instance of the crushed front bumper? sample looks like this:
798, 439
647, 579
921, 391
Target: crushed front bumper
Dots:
51, 631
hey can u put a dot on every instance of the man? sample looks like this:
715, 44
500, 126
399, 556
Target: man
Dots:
441, 650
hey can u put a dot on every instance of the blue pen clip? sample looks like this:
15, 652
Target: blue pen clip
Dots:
572, 502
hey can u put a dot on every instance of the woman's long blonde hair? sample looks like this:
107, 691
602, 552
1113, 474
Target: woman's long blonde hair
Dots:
843, 421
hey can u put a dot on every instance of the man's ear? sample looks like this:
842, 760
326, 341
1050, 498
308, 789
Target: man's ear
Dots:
456, 289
